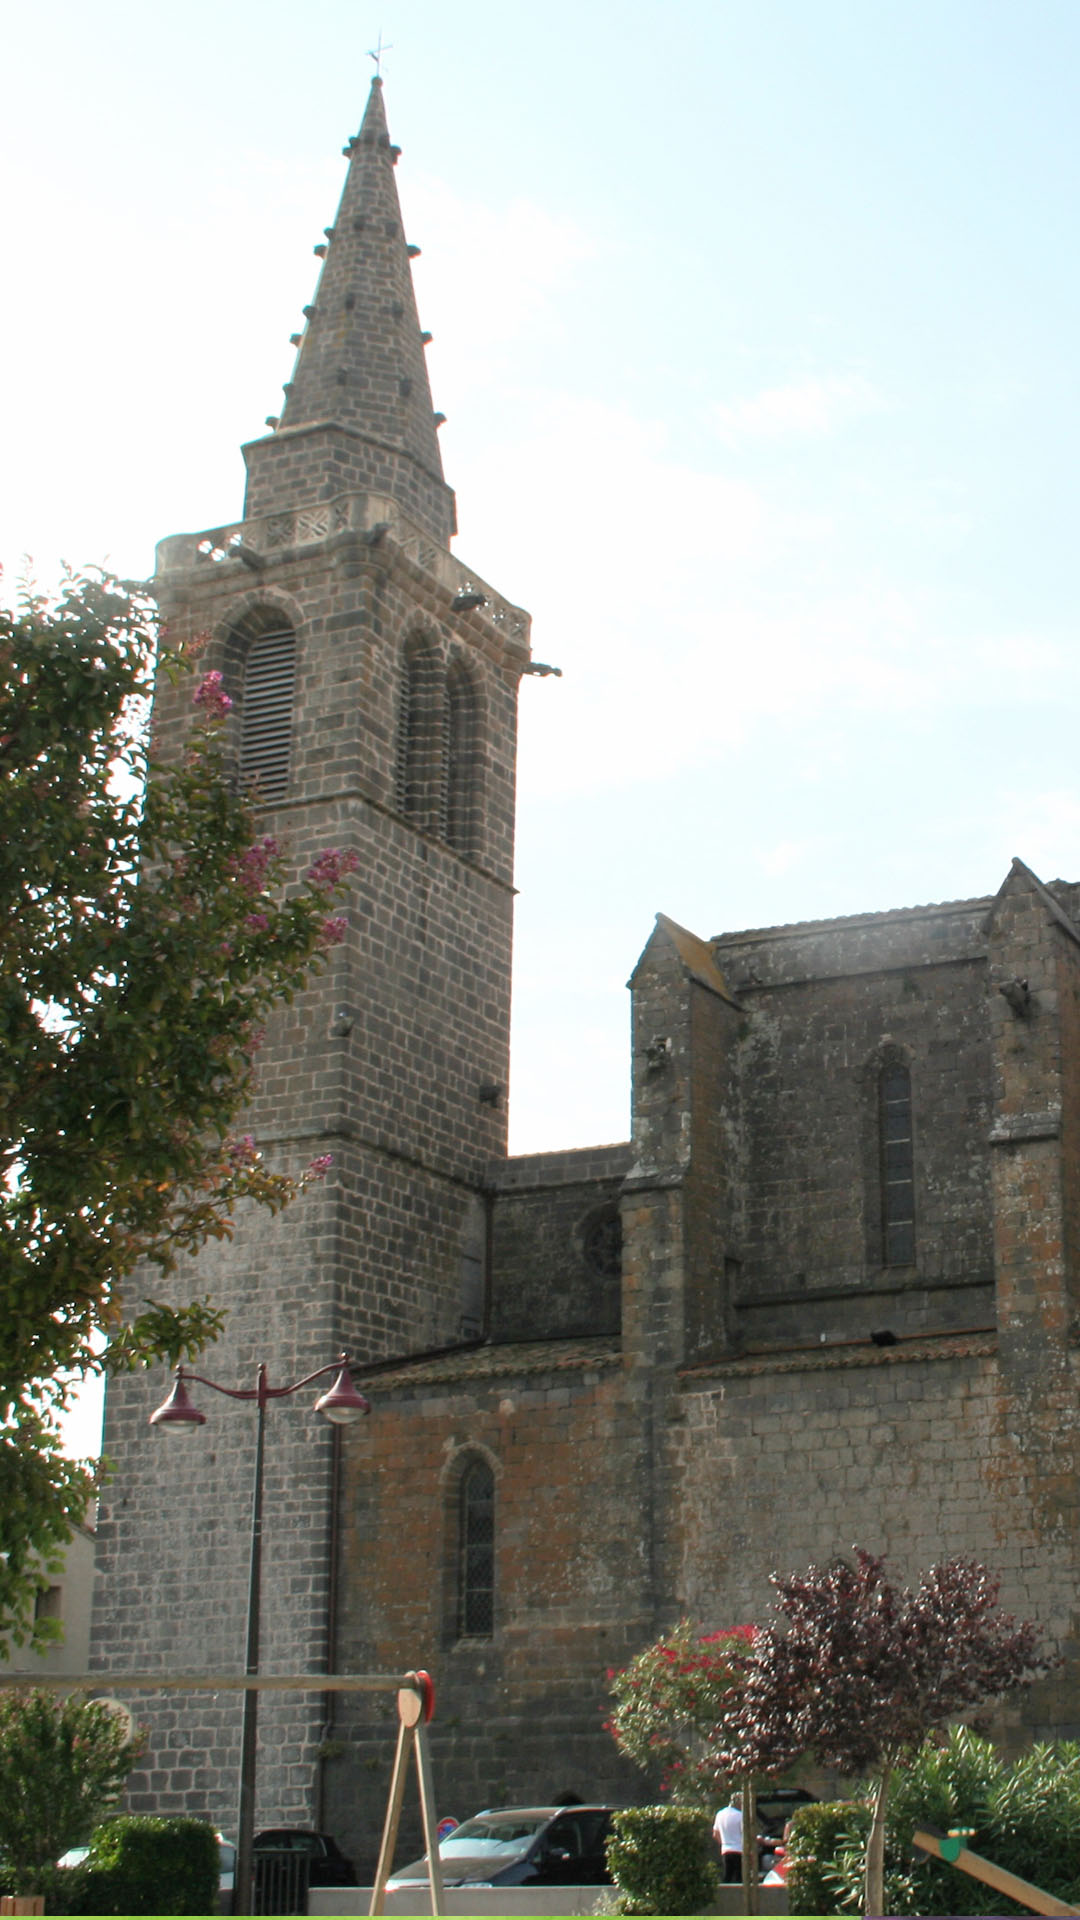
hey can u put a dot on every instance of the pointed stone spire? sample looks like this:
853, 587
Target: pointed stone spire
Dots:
358, 413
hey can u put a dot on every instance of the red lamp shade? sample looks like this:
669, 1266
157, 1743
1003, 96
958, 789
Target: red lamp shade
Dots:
341, 1403
177, 1410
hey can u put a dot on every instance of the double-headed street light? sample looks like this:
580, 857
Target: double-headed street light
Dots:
342, 1405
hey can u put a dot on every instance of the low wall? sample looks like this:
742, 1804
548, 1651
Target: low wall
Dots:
511, 1901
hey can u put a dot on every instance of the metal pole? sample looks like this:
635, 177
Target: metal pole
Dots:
245, 1824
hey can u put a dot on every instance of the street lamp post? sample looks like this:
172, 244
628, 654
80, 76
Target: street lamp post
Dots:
342, 1405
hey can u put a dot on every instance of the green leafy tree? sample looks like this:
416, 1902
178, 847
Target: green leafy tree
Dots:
146, 931
63, 1765
669, 1704
860, 1671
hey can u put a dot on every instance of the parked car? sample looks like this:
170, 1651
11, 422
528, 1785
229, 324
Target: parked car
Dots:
326, 1864
775, 1808
521, 1847
226, 1873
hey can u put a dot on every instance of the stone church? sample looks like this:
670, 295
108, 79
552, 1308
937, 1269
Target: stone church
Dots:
827, 1293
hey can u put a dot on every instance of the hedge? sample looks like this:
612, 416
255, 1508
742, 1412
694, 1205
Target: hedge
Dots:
142, 1864
661, 1859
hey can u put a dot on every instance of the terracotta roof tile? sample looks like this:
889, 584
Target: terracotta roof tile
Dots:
496, 1361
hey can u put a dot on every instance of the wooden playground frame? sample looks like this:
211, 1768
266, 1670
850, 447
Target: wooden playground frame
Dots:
415, 1707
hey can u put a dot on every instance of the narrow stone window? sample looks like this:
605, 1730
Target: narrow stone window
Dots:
476, 1552
460, 744
266, 713
419, 771
897, 1166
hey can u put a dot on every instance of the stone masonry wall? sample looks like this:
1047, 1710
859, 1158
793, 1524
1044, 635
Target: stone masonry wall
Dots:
174, 1530
914, 1452
556, 1249
519, 1715
380, 1063
810, 1242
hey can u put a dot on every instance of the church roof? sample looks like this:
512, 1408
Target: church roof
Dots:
496, 1361
1053, 894
696, 955
1020, 873
931, 910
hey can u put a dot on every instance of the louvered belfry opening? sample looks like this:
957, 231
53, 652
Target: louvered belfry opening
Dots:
266, 712
460, 751
419, 756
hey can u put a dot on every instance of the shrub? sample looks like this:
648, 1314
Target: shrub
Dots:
662, 1861
819, 1834
142, 1864
1025, 1817
63, 1764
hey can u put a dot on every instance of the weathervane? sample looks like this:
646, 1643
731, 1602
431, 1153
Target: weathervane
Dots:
376, 53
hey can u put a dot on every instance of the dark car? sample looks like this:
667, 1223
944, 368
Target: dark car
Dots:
776, 1806
521, 1847
319, 1852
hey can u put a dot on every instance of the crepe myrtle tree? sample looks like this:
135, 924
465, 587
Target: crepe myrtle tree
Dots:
147, 929
857, 1672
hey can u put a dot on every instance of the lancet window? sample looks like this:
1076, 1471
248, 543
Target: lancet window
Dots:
476, 1551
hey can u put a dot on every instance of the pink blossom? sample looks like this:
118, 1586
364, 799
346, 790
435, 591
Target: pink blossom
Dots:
256, 923
253, 866
333, 930
320, 1166
211, 698
330, 865
243, 1152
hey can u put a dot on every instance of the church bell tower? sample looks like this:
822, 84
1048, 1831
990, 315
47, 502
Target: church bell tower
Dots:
374, 679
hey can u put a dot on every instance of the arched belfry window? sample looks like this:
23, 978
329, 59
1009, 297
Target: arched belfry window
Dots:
476, 1551
461, 748
897, 1165
419, 769
266, 645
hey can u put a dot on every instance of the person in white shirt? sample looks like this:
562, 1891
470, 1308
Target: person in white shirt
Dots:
727, 1832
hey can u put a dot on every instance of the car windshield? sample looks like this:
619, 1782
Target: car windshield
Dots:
492, 1834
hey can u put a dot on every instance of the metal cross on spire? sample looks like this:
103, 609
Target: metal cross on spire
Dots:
376, 52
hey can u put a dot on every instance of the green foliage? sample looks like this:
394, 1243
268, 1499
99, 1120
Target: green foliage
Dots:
1025, 1816
63, 1764
670, 1704
661, 1858
142, 1864
818, 1835
146, 931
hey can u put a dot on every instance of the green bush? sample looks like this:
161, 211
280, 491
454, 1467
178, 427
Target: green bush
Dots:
141, 1864
63, 1764
819, 1835
1025, 1817
661, 1859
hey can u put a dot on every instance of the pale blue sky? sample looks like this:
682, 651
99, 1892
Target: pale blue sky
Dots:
756, 325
